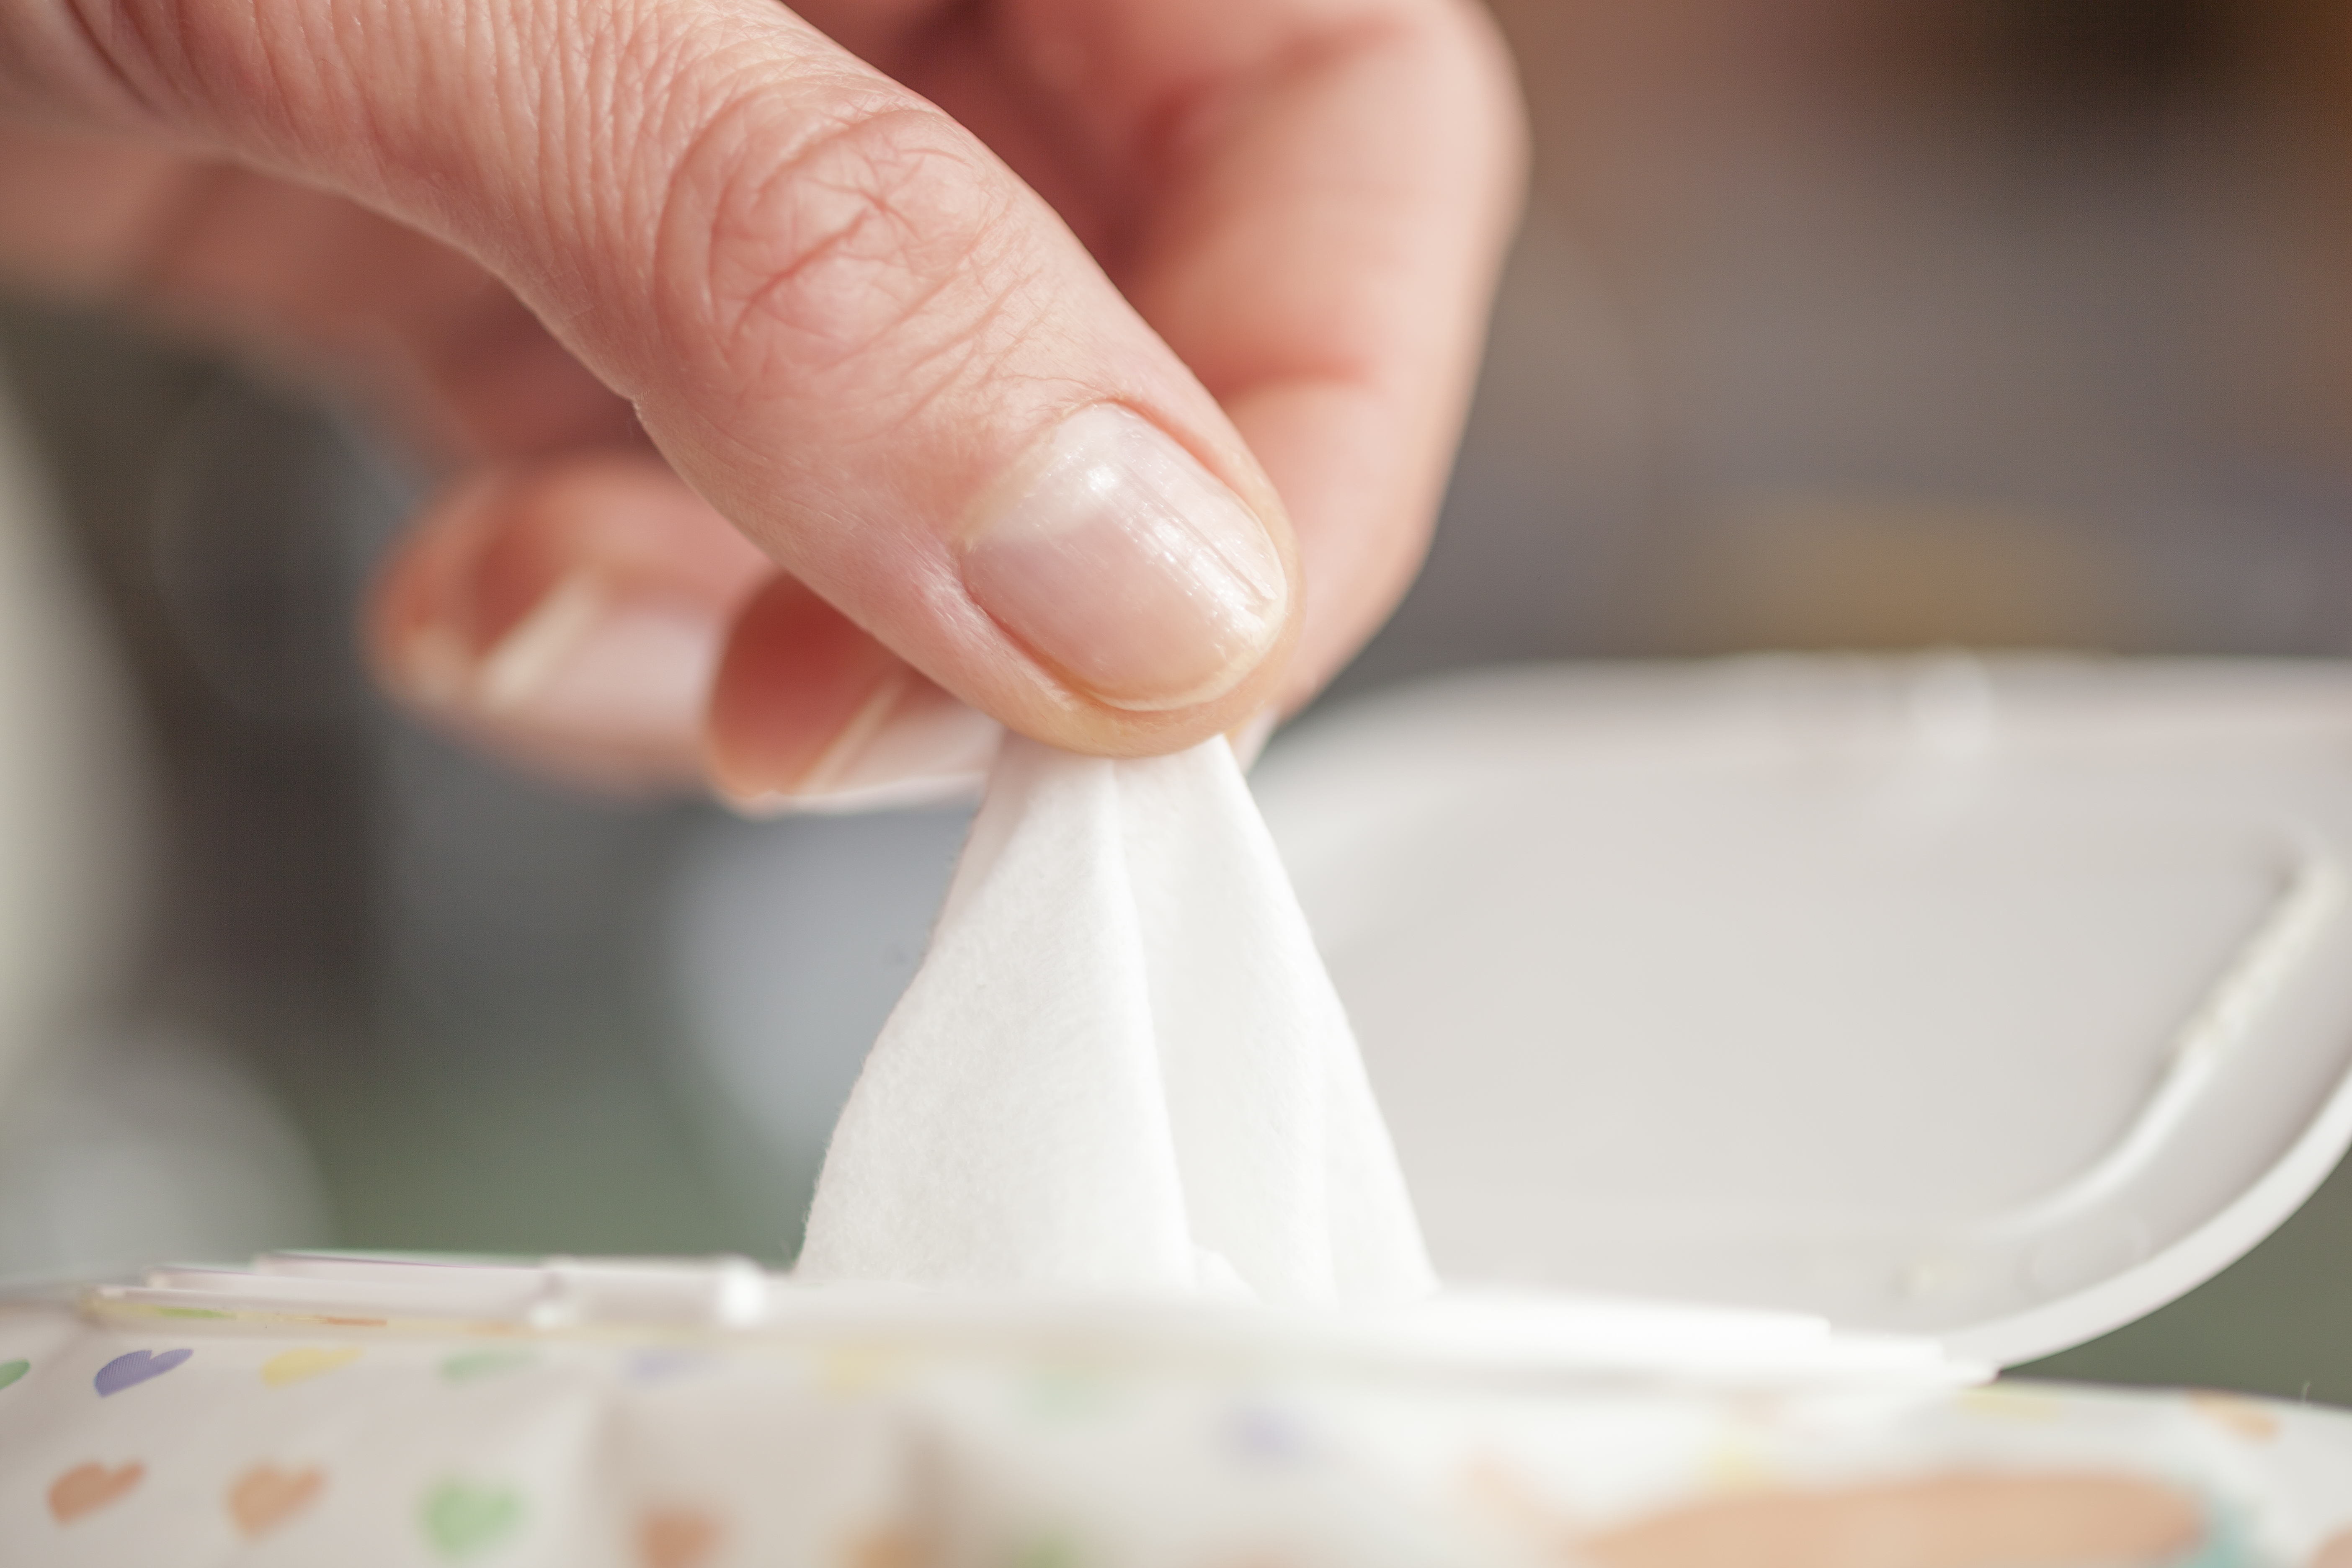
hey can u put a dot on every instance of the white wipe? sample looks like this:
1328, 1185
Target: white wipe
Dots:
1121, 1066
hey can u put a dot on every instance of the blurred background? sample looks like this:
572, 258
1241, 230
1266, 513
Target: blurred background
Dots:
1834, 324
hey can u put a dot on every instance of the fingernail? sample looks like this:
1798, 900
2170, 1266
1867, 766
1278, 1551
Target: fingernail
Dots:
588, 664
1130, 567
909, 744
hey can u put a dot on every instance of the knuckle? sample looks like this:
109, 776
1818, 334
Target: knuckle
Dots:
865, 240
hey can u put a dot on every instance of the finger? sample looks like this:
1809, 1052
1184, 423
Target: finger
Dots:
567, 615
810, 713
848, 324
1330, 188
585, 614
570, 614
1323, 257
332, 290
304, 281
74, 209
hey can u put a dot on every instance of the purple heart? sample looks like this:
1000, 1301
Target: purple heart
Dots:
137, 1367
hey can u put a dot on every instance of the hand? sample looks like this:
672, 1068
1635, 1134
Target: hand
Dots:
1116, 406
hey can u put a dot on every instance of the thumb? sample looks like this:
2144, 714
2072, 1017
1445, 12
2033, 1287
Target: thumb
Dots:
845, 322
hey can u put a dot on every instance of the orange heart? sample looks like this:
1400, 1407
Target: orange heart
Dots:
265, 1496
887, 1547
86, 1488
676, 1538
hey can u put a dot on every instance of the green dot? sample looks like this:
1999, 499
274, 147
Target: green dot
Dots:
1048, 1552
461, 1519
10, 1371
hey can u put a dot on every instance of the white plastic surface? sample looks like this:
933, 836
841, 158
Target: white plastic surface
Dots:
1549, 1336
2002, 1001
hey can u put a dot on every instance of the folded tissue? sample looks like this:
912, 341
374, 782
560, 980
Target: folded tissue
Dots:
1122, 1066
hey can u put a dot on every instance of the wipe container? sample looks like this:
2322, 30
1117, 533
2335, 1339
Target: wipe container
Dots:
1895, 1020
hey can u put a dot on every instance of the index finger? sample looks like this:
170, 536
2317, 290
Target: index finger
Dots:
1327, 188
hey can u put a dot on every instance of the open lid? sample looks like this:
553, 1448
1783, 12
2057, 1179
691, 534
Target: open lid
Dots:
1999, 1001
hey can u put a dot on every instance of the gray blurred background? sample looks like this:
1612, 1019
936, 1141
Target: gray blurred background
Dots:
1834, 324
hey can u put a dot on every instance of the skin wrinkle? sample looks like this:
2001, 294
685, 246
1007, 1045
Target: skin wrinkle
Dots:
974, 348
985, 319
606, 106
688, 298
196, 86
872, 205
553, 100
612, 200
86, 21
839, 515
785, 473
374, 139
589, 207
260, 88
513, 61
967, 360
389, 47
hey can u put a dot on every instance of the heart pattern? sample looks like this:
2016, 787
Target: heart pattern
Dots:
462, 1519
887, 1547
265, 1496
676, 1537
477, 1522
88, 1487
129, 1371
306, 1362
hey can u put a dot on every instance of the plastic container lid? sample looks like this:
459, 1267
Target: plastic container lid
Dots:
1998, 1001
1547, 1336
